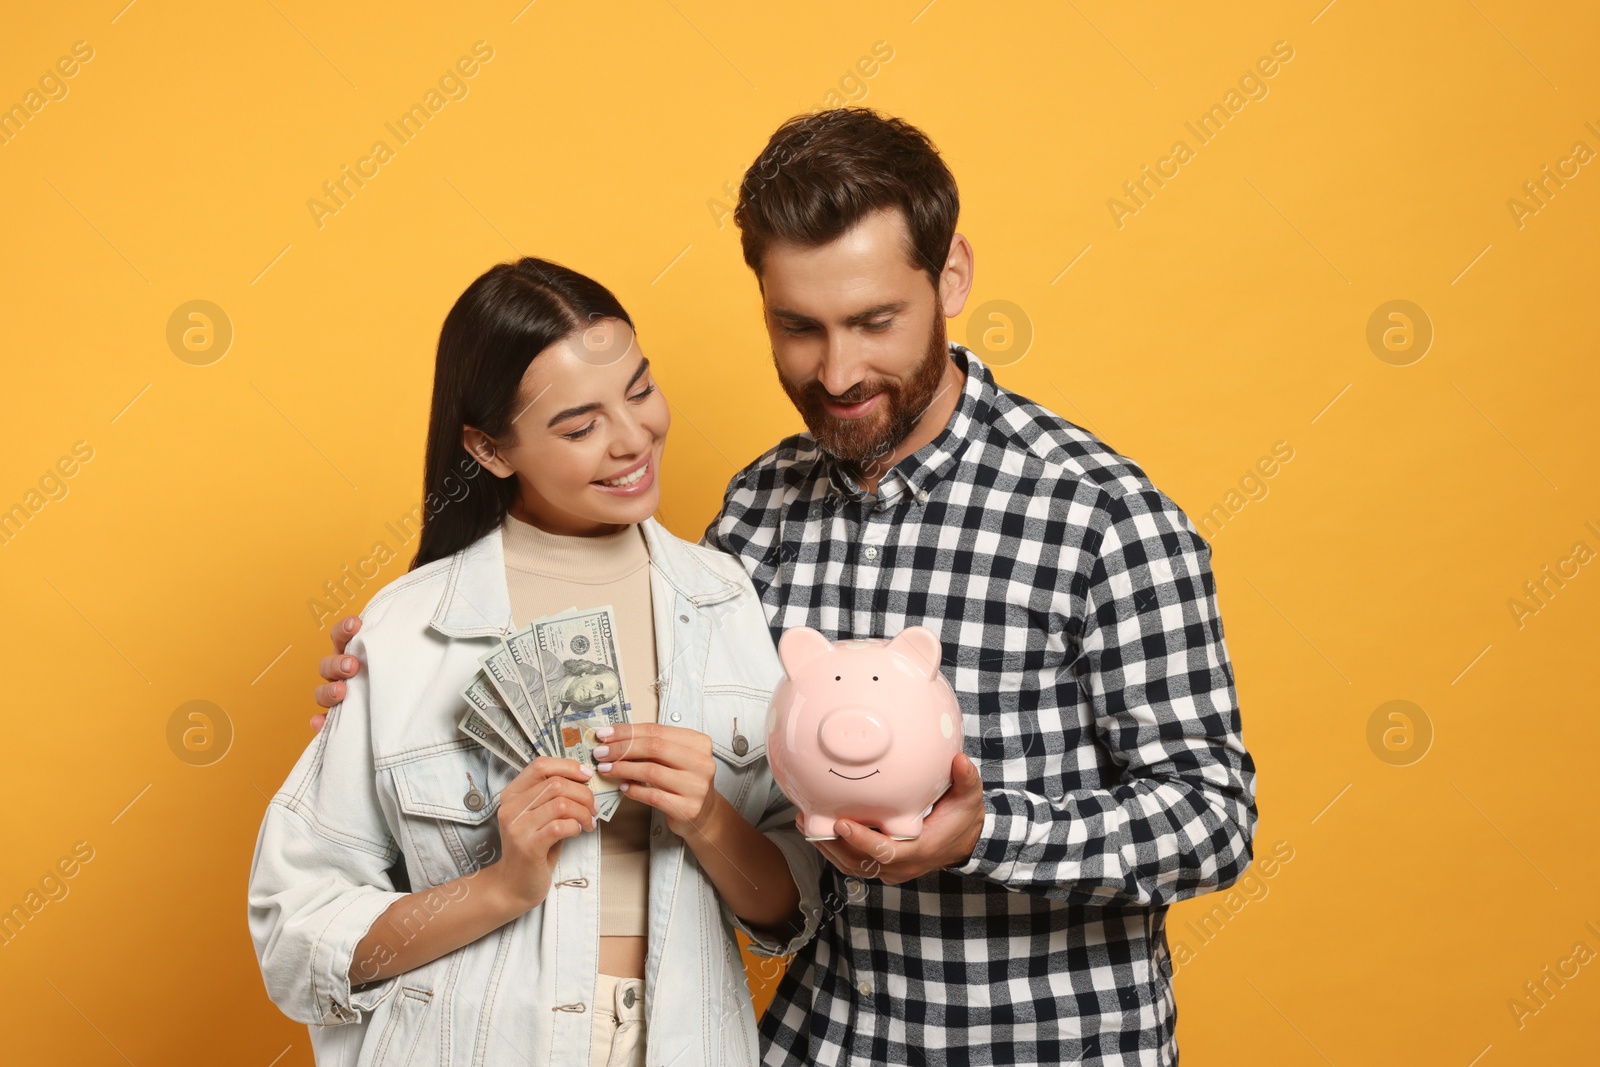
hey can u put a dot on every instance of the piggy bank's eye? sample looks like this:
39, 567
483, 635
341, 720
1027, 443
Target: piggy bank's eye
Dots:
874, 677
838, 677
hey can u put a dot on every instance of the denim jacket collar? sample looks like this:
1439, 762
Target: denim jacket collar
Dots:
477, 601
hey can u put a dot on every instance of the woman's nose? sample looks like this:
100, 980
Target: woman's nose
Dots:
633, 436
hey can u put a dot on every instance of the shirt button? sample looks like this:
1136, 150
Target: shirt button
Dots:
922, 495
676, 716
865, 989
854, 888
683, 618
871, 552
655, 831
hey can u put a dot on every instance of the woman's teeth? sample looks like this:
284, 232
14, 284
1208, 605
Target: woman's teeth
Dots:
627, 479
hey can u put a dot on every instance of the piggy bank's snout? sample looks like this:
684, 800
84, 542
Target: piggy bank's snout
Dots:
852, 735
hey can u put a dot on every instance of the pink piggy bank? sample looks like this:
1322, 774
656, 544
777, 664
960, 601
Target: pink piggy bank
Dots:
863, 730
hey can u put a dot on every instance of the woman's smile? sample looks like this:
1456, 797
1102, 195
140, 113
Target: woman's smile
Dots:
635, 480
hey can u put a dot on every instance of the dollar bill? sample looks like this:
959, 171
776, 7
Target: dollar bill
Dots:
476, 727
505, 678
487, 709
523, 647
582, 674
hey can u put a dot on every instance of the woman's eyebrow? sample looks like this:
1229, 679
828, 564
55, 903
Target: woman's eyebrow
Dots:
584, 409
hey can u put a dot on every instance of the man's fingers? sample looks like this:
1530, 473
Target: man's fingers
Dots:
336, 668
342, 632
964, 775
319, 720
868, 842
329, 694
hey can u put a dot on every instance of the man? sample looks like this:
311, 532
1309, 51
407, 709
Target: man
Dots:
1077, 610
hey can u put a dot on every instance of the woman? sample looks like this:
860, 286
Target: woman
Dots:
535, 933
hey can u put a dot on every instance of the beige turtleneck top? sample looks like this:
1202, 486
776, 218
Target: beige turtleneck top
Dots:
548, 573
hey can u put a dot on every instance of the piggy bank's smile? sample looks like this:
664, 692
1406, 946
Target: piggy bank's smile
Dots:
857, 778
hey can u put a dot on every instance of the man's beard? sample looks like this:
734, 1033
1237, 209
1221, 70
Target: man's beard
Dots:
857, 442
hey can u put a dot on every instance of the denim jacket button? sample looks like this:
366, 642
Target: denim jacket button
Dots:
740, 745
473, 800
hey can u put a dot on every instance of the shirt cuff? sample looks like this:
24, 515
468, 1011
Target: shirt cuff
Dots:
804, 866
991, 852
336, 1000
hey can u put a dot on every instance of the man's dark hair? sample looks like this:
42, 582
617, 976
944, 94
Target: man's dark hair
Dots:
821, 174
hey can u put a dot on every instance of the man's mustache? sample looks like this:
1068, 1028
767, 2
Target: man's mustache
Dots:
854, 395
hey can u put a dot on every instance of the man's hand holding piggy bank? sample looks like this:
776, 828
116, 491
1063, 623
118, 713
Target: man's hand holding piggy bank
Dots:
865, 737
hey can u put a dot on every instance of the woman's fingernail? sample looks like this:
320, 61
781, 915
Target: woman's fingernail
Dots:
624, 787
602, 751
605, 732
349, 624
587, 771
604, 768
843, 831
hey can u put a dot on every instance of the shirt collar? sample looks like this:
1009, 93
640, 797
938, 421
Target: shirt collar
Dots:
919, 473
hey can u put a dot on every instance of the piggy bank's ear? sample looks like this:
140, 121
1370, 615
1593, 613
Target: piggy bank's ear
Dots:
800, 646
921, 646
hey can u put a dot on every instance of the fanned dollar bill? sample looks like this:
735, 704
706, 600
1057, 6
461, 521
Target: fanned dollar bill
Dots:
476, 727
485, 708
504, 677
545, 690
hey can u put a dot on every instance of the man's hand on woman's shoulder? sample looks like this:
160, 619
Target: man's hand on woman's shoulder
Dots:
336, 668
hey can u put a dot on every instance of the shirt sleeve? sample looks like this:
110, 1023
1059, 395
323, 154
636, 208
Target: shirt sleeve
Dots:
1153, 665
320, 877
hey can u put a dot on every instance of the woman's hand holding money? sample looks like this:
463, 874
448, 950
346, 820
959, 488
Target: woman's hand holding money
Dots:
670, 768
547, 802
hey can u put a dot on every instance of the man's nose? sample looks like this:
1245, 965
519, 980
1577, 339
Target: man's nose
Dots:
841, 367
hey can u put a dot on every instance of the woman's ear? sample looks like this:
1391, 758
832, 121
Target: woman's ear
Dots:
481, 447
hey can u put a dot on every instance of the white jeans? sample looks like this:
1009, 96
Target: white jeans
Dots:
618, 1039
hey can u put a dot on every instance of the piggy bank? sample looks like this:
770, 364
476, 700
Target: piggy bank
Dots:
863, 730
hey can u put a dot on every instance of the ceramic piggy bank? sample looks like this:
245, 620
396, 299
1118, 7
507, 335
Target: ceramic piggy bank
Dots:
863, 730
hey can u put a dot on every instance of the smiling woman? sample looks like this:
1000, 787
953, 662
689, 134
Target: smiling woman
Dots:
540, 381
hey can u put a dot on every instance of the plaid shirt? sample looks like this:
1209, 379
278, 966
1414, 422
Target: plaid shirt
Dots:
1079, 620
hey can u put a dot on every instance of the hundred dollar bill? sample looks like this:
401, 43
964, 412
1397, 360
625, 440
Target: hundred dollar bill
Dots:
504, 674
473, 725
523, 647
482, 699
582, 683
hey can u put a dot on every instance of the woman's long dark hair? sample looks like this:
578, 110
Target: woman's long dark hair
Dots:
505, 318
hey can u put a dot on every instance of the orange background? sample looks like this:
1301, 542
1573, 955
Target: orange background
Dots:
1227, 314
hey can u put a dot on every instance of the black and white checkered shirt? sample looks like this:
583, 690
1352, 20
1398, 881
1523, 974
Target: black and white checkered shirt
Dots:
1079, 621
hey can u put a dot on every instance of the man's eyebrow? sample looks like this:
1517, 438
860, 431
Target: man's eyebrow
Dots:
891, 308
584, 409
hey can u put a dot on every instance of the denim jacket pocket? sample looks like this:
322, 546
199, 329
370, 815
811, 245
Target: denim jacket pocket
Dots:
735, 718
448, 806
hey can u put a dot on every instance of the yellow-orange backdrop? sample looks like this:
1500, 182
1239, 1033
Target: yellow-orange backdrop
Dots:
184, 495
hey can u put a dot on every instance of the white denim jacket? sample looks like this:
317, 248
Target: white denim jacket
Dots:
388, 777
